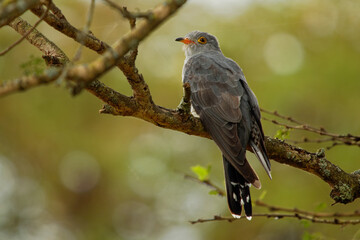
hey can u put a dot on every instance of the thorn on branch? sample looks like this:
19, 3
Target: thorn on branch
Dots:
106, 109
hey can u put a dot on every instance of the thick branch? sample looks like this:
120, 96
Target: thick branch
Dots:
53, 56
345, 186
47, 47
127, 65
85, 73
58, 21
127, 105
26, 82
9, 10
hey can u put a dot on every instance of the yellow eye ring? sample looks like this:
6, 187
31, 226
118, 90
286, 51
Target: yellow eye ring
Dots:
202, 40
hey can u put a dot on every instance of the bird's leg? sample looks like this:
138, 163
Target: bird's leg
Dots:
185, 105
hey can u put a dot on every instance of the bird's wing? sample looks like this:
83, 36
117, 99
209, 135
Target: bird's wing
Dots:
257, 138
222, 103
249, 101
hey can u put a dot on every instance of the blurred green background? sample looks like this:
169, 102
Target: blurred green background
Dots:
67, 172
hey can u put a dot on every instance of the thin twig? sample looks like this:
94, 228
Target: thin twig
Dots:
126, 14
272, 208
9, 10
315, 217
53, 55
208, 183
337, 139
76, 89
57, 12
58, 21
86, 30
26, 34
334, 221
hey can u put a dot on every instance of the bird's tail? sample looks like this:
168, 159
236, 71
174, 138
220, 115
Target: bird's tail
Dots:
238, 192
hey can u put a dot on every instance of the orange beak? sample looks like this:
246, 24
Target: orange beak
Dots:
184, 40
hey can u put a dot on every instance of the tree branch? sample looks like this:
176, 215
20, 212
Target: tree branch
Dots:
126, 14
25, 34
9, 10
127, 65
334, 221
208, 183
58, 21
281, 212
272, 208
86, 73
347, 139
47, 47
345, 186
26, 82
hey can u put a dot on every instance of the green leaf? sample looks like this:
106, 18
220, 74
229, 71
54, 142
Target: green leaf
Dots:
305, 223
282, 133
262, 195
201, 172
35, 65
213, 192
321, 206
313, 236
306, 236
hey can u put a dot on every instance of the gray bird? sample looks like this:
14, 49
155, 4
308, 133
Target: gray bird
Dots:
229, 111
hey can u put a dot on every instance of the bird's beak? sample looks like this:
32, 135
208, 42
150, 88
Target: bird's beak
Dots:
184, 40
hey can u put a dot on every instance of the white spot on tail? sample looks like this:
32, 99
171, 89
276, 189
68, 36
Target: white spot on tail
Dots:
236, 216
234, 183
234, 197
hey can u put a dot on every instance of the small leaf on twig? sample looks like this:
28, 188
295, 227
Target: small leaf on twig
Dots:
306, 223
322, 206
213, 192
201, 172
35, 65
282, 133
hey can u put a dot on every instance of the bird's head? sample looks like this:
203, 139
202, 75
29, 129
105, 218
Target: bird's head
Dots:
198, 42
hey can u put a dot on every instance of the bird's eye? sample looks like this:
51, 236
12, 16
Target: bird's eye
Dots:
202, 40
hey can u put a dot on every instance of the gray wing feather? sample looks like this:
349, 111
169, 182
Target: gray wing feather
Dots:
224, 106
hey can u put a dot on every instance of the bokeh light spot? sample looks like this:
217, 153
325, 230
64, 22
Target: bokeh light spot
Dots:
134, 220
321, 21
79, 171
283, 53
180, 233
